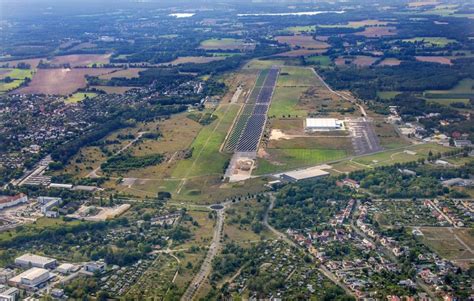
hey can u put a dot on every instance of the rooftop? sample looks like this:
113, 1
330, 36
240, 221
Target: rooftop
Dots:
28, 257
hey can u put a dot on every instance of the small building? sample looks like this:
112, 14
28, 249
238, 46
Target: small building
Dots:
31, 278
66, 268
322, 124
9, 201
95, 267
31, 260
462, 143
6, 274
61, 186
50, 203
57, 293
8, 293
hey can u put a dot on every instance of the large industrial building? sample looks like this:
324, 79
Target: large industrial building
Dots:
303, 174
31, 260
31, 278
322, 124
9, 201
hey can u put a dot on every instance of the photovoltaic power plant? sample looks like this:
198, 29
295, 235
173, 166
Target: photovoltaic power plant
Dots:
248, 129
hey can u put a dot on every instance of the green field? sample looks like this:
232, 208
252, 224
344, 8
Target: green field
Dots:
464, 89
296, 157
206, 158
224, 43
296, 77
77, 97
284, 102
17, 76
301, 29
387, 94
435, 41
321, 60
399, 156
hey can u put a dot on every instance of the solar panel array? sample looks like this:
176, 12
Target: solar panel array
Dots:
250, 138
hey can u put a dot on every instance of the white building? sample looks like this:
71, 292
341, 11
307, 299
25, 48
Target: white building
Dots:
322, 124
31, 278
8, 293
9, 201
66, 268
31, 260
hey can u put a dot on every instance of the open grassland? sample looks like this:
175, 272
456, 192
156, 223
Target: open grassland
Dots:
125, 73
206, 158
388, 94
77, 97
226, 44
278, 160
320, 60
285, 101
196, 59
399, 155
302, 41
296, 77
450, 243
434, 41
62, 81
263, 64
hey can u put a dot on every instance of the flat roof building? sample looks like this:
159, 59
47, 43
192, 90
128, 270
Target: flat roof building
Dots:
303, 174
31, 278
31, 260
9, 201
322, 124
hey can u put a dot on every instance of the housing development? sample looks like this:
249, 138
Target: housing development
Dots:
236, 150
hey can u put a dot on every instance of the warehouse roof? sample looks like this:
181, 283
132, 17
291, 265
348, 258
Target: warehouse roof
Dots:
322, 123
28, 257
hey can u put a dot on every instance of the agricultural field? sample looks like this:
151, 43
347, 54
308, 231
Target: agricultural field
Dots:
434, 59
358, 60
301, 29
433, 41
389, 62
114, 89
300, 52
319, 60
302, 41
377, 32
61, 81
125, 73
12, 78
196, 59
14, 63
464, 89
79, 96
226, 44
81, 60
